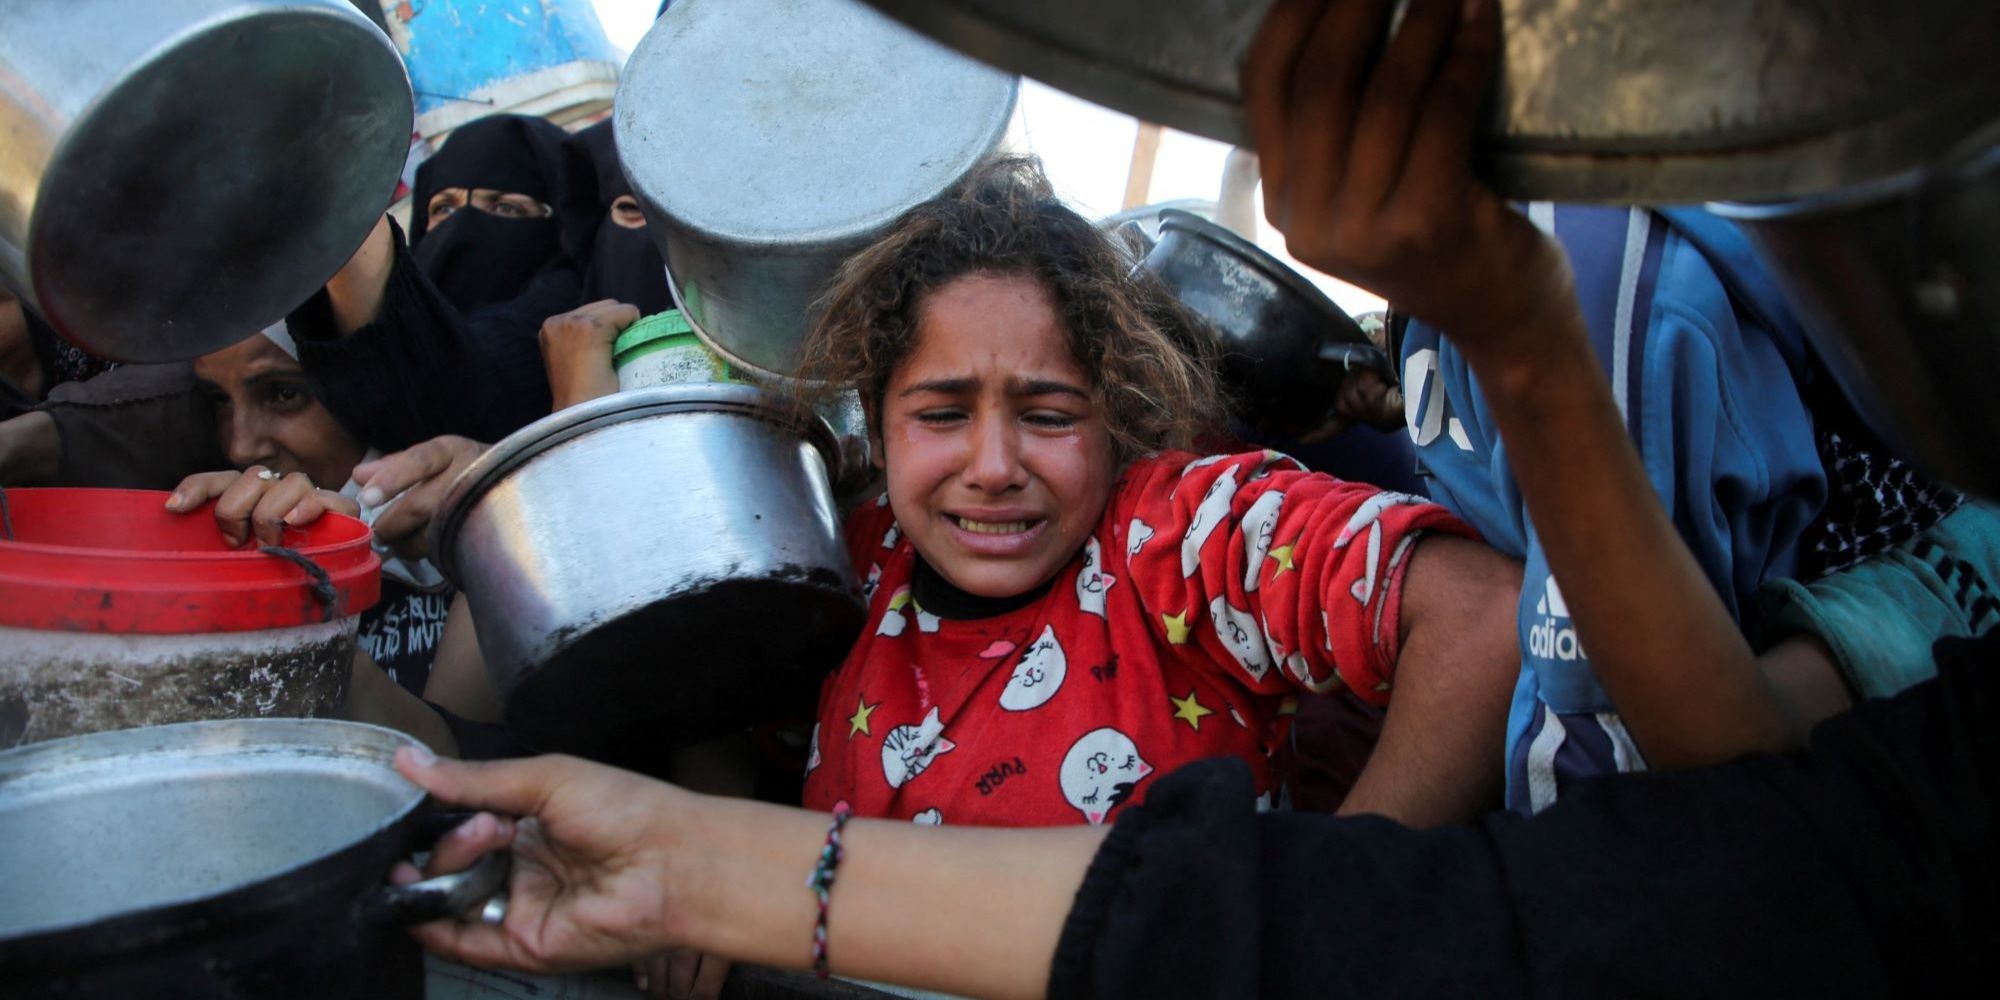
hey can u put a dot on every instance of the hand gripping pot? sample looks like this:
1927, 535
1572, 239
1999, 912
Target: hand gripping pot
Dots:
653, 568
226, 859
175, 176
770, 140
116, 613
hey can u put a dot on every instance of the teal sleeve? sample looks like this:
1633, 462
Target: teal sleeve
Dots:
1882, 615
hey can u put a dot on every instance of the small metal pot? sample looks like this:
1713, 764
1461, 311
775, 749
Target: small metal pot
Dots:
238, 859
176, 176
1899, 285
1286, 347
771, 139
653, 568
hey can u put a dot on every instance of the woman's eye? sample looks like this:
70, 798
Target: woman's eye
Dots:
440, 211
507, 209
940, 416
1051, 420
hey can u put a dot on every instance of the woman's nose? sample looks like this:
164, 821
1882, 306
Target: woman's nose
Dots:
247, 445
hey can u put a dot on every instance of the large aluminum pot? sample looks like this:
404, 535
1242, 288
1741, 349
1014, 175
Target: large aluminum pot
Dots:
1899, 284
175, 176
1598, 100
653, 568
238, 859
771, 139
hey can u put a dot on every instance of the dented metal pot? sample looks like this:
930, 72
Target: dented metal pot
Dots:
653, 568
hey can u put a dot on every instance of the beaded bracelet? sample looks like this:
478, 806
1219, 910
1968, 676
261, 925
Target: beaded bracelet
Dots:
821, 883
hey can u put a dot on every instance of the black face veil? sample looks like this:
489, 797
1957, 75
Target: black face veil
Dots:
477, 258
622, 264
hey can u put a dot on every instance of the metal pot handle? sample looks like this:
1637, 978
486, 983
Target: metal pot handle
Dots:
1352, 356
445, 896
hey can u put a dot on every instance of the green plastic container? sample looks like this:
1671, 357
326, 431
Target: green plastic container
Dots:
662, 349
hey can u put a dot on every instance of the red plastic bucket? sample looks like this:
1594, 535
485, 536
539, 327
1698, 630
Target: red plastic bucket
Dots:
117, 561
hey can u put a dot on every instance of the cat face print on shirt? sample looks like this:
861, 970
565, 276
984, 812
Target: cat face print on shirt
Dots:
907, 751
1207, 517
1100, 771
929, 817
1260, 523
894, 622
1242, 636
1137, 534
1039, 674
1369, 512
1091, 580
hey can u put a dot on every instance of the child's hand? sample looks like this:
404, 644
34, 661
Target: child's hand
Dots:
258, 502
1367, 171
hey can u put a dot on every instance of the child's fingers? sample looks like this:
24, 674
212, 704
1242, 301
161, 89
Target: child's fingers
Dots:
1440, 157
1395, 96
199, 489
1326, 90
267, 518
1266, 79
235, 504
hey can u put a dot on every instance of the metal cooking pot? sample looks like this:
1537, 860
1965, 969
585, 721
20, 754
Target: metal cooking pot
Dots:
1899, 285
1605, 100
653, 568
1285, 346
176, 176
243, 858
771, 139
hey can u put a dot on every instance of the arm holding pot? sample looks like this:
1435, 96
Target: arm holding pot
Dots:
612, 867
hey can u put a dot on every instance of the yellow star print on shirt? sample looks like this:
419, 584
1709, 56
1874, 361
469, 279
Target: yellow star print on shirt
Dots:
1283, 555
858, 722
1177, 628
1190, 710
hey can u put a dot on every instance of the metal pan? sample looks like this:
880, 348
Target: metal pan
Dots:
1611, 100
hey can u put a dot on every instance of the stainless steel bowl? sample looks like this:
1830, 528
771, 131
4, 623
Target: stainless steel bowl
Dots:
771, 139
653, 568
1605, 100
176, 176
1899, 285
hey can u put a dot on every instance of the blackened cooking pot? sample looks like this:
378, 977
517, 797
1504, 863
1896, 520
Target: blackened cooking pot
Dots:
1285, 346
229, 859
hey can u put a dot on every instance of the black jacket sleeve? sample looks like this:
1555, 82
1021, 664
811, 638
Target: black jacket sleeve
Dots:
422, 369
140, 427
1863, 867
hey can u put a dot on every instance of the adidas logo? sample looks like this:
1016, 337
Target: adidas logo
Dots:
1553, 637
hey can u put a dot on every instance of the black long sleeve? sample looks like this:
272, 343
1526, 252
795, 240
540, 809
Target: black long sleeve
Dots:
422, 369
134, 427
1863, 867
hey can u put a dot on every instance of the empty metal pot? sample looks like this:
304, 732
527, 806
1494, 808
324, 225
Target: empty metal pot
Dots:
653, 568
231, 859
176, 176
771, 139
1899, 285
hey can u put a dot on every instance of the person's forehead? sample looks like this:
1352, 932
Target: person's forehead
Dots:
1005, 324
249, 359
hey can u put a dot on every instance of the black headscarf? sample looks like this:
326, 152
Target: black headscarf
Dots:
477, 258
622, 264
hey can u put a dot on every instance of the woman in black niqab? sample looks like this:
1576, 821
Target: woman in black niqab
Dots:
481, 224
604, 229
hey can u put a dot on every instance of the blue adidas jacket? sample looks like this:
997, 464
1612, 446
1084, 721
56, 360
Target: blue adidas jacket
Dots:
1705, 361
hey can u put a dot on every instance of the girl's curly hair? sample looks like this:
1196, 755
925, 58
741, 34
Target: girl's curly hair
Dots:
1151, 372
